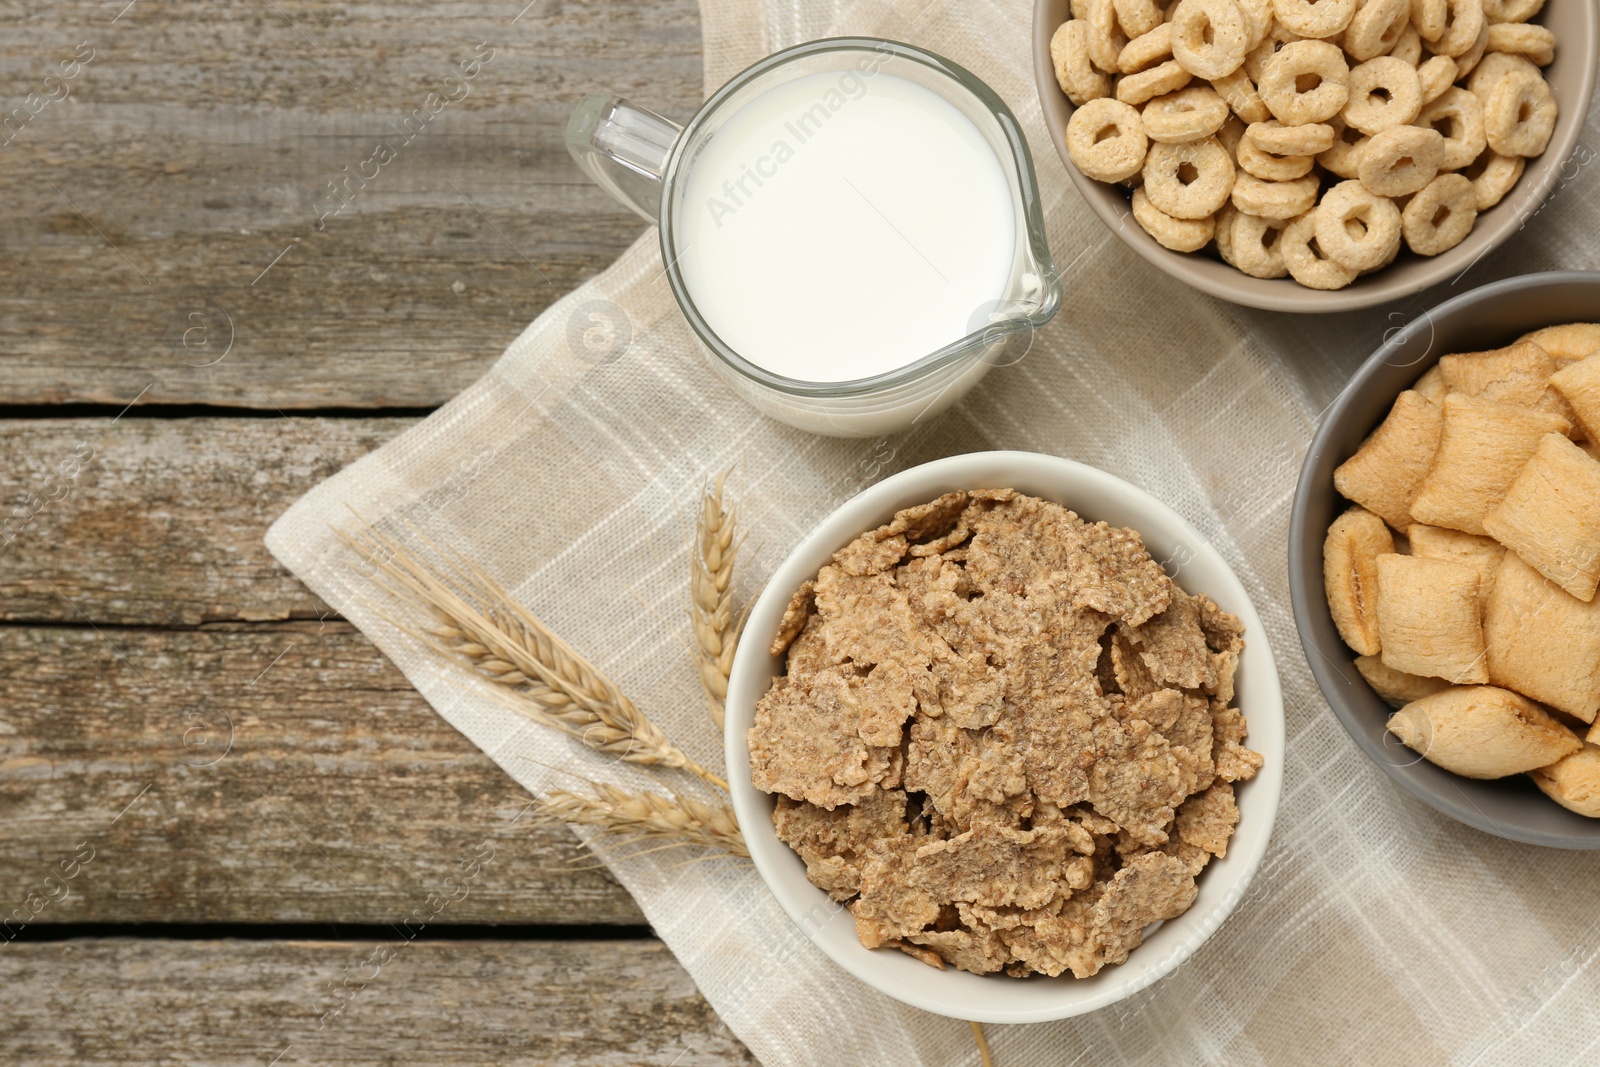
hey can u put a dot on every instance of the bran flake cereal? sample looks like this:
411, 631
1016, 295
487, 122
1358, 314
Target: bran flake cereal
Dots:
1004, 736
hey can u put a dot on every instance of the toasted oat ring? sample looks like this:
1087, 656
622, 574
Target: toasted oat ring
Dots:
1209, 37
1394, 252
1102, 15
1230, 135
1511, 10
1520, 115
1278, 36
1075, 71
1358, 230
1471, 57
1104, 50
1269, 166
1224, 233
1138, 17
1344, 158
1400, 161
1242, 97
1458, 116
1191, 114
1257, 245
1273, 136
1321, 68
1106, 40
1384, 93
1430, 17
1409, 46
1256, 60
1309, 264
1314, 18
1493, 176
1159, 80
1495, 68
1180, 235
1188, 181
1257, 20
1376, 28
1146, 50
1518, 38
1435, 76
1275, 200
1440, 216
1462, 27
1106, 140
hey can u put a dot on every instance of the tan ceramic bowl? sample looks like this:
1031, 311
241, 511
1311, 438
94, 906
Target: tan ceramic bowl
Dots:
1576, 24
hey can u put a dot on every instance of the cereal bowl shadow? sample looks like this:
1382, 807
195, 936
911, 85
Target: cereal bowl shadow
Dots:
1494, 315
1572, 81
1094, 495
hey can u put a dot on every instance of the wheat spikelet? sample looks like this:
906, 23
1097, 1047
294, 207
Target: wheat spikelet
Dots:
481, 625
716, 630
669, 820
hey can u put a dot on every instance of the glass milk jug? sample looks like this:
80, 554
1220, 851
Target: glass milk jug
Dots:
851, 228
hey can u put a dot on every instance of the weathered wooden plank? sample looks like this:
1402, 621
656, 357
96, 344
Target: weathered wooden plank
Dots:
266, 773
159, 521
197, 146
226, 1003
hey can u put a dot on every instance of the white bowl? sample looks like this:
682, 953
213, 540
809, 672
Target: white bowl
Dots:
1094, 495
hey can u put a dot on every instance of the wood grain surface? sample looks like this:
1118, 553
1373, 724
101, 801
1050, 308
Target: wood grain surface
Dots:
331, 217
235, 1003
161, 521
199, 145
284, 773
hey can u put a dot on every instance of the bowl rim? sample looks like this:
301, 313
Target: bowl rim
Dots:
1216, 278
1305, 569
1259, 695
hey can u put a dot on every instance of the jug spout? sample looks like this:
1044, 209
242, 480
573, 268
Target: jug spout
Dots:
1032, 299
624, 149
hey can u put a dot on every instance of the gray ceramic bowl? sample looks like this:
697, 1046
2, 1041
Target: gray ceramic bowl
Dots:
1484, 318
1576, 24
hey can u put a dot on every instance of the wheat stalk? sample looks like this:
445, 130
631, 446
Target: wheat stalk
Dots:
480, 624
716, 629
983, 1044
671, 820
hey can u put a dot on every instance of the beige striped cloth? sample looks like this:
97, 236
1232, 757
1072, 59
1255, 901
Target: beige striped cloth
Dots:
1377, 932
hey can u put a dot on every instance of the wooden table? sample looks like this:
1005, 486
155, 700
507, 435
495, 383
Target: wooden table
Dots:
218, 802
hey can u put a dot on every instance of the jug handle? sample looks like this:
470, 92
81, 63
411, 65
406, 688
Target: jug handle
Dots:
624, 148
